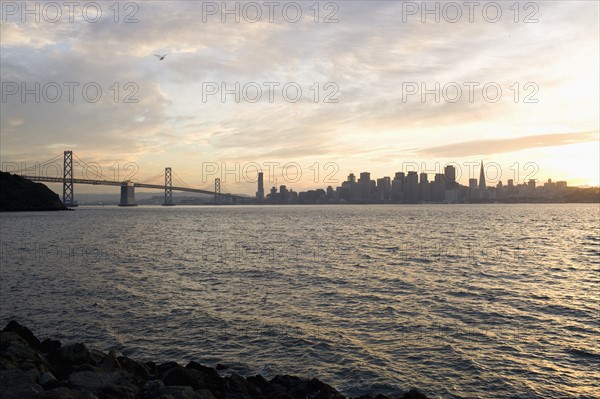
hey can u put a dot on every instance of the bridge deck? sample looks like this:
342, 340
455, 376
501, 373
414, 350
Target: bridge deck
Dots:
61, 180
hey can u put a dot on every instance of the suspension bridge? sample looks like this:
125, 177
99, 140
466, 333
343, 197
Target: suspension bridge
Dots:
68, 180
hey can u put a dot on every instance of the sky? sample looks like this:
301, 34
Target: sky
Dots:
306, 91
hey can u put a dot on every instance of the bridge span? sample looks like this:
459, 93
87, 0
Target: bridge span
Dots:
127, 187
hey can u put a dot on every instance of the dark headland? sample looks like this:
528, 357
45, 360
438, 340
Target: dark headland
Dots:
19, 194
47, 369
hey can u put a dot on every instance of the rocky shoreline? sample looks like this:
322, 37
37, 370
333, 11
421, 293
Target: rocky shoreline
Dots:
30, 368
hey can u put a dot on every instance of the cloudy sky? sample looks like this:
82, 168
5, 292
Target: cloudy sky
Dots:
381, 90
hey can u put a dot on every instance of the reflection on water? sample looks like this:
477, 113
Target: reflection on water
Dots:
458, 301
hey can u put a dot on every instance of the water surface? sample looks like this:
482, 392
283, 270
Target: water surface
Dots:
456, 300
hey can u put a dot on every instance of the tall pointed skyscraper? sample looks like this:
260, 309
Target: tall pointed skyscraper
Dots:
482, 185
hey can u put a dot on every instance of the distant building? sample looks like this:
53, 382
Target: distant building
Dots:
473, 184
260, 193
439, 187
283, 194
273, 194
424, 188
397, 187
364, 182
330, 193
384, 188
450, 175
531, 187
473, 190
482, 184
411, 192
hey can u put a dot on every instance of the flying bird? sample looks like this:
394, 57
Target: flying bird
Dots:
160, 57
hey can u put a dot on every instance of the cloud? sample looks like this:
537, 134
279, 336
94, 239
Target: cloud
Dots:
498, 146
369, 53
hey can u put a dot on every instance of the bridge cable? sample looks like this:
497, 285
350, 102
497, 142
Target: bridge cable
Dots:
180, 180
40, 165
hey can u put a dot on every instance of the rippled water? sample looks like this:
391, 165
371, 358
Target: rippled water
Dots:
458, 301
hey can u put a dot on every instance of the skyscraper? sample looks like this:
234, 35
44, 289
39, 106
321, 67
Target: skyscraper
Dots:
450, 177
260, 194
482, 185
472, 184
364, 182
438, 192
384, 186
424, 189
412, 188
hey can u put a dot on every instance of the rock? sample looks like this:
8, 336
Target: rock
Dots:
49, 345
414, 394
163, 367
318, 389
24, 333
221, 367
66, 393
18, 384
302, 389
181, 376
70, 355
69, 359
286, 381
261, 383
16, 353
151, 368
209, 378
122, 390
204, 394
177, 392
57, 393
110, 362
137, 373
151, 389
105, 385
88, 380
204, 369
47, 378
97, 356
238, 384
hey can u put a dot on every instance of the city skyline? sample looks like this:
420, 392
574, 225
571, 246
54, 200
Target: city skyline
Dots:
414, 187
237, 180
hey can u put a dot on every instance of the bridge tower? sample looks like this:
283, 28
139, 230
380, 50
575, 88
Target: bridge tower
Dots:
127, 194
217, 191
68, 199
168, 188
